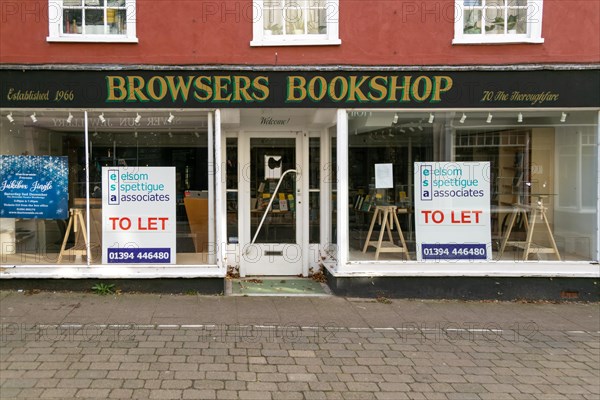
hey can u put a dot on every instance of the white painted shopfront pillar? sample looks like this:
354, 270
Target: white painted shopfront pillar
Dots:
342, 189
220, 216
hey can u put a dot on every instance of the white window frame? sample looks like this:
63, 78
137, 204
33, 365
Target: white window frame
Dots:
534, 27
259, 38
55, 27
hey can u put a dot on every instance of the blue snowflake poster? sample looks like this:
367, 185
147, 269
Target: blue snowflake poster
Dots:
34, 187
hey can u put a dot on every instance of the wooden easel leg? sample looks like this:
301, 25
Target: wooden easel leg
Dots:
389, 226
531, 226
84, 232
401, 236
370, 230
64, 243
551, 235
513, 217
384, 226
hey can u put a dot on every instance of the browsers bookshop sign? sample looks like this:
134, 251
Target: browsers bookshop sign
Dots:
309, 89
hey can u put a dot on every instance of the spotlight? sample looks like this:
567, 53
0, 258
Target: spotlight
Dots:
95, 134
10, 118
489, 118
431, 118
197, 135
135, 134
101, 118
563, 117
171, 118
395, 120
411, 128
70, 118
402, 130
463, 118
520, 117
33, 118
170, 135
138, 118
420, 128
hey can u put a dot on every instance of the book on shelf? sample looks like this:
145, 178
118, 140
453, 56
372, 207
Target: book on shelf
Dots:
283, 206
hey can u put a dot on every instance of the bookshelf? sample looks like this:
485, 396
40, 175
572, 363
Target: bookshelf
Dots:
509, 154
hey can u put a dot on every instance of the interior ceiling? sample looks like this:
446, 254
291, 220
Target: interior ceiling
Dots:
159, 120
368, 122
114, 120
195, 121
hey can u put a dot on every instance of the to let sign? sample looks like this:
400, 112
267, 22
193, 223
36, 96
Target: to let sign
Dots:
452, 210
139, 223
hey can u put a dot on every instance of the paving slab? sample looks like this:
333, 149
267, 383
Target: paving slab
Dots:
73, 345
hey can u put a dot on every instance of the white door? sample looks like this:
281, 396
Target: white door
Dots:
272, 235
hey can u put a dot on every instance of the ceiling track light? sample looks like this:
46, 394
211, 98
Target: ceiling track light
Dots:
70, 118
197, 135
520, 117
138, 118
489, 118
135, 134
463, 118
101, 118
170, 135
33, 118
395, 120
171, 118
411, 128
563, 117
10, 118
431, 118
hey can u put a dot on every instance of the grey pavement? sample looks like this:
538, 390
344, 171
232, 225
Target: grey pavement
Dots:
152, 346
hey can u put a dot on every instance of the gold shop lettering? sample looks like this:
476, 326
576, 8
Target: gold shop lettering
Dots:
218, 88
367, 88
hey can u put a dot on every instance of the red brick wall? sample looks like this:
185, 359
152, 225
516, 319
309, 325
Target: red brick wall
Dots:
378, 32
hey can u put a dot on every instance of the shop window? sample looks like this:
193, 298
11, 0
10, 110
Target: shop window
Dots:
232, 190
128, 140
295, 22
40, 178
44, 153
92, 21
498, 21
314, 209
332, 181
577, 160
540, 170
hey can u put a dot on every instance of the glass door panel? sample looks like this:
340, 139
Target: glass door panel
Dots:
274, 246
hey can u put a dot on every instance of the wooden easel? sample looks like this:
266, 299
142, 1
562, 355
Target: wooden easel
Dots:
388, 218
77, 222
528, 247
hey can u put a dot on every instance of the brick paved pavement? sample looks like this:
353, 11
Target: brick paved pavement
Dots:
194, 347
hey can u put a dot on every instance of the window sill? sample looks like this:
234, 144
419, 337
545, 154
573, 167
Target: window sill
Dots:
497, 40
91, 39
296, 42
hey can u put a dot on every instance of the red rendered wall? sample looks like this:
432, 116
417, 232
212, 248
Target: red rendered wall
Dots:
376, 32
